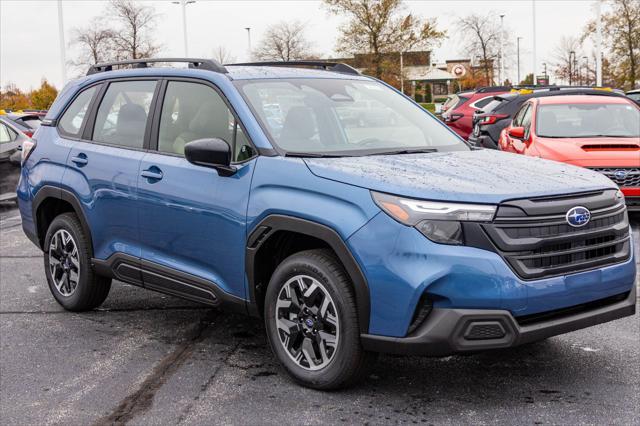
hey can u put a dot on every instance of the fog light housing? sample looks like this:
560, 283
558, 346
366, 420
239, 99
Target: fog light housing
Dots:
442, 231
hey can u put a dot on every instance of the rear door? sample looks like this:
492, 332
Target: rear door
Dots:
192, 220
103, 167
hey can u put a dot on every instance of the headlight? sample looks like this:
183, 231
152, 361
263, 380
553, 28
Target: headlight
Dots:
439, 221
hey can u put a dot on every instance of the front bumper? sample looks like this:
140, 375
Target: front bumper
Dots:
452, 331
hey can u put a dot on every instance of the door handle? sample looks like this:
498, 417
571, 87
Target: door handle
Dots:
80, 160
153, 174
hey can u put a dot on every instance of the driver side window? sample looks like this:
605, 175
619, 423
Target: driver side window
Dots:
517, 120
192, 111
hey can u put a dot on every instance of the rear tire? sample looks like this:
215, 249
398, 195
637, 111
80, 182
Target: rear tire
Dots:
311, 297
67, 264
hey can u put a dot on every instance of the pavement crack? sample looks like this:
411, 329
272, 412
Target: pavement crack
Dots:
207, 384
141, 400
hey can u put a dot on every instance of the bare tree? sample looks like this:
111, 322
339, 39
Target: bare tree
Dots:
135, 39
284, 41
566, 55
223, 55
96, 43
481, 35
378, 27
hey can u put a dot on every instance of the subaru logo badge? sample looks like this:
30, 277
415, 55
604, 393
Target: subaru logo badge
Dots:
309, 322
620, 174
578, 216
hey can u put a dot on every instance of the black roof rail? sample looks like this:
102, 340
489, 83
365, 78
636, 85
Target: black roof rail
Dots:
328, 66
201, 64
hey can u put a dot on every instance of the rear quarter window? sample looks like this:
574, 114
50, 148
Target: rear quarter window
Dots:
71, 121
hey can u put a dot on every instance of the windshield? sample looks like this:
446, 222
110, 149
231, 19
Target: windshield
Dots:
344, 117
634, 96
588, 120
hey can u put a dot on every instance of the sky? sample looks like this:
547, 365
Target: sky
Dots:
29, 42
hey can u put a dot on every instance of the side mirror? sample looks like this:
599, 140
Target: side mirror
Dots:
214, 153
516, 132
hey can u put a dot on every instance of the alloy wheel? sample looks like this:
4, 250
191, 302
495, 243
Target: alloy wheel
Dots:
64, 264
307, 322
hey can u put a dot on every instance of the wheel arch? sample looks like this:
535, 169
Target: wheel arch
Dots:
268, 231
51, 201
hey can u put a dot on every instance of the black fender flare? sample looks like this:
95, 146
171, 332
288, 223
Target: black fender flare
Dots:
47, 192
273, 223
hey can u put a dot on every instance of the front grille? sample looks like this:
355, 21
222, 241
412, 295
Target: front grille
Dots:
543, 245
624, 177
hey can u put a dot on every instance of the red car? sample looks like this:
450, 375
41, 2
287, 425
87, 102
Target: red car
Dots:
458, 110
601, 133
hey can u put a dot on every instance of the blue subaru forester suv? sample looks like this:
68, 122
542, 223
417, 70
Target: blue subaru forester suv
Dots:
323, 201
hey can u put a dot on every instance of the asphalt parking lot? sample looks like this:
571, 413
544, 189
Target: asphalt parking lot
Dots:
146, 358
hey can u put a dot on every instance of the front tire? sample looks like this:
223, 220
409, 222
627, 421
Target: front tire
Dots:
67, 264
312, 323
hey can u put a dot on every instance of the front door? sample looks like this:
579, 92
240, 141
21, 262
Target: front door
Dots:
192, 220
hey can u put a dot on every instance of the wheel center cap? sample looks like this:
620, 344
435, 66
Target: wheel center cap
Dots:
309, 322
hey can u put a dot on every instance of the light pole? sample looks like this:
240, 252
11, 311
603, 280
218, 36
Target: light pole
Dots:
518, 43
184, 4
572, 54
401, 73
586, 72
63, 56
249, 42
502, 49
534, 64
544, 64
598, 44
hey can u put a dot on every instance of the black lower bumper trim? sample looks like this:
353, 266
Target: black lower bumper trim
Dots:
446, 332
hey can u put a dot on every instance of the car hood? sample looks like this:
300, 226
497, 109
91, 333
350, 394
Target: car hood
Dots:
592, 151
482, 176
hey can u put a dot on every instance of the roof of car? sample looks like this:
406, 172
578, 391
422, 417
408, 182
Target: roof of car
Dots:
581, 99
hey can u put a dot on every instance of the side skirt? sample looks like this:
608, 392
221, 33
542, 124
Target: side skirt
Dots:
152, 276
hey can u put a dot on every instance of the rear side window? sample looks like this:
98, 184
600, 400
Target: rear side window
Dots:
122, 115
482, 102
71, 121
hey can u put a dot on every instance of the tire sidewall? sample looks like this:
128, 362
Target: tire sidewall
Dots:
65, 222
348, 340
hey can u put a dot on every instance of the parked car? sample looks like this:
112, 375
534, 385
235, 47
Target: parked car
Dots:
497, 114
27, 123
345, 240
601, 133
634, 95
11, 140
459, 113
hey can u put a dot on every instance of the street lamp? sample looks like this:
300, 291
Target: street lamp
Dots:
502, 49
184, 4
248, 42
63, 58
518, 43
572, 54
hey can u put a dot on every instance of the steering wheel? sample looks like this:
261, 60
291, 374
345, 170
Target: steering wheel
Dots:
368, 142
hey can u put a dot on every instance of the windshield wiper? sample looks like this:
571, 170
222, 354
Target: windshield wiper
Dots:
311, 155
406, 151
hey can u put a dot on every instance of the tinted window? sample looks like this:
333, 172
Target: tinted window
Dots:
6, 134
588, 120
122, 116
482, 102
71, 121
194, 111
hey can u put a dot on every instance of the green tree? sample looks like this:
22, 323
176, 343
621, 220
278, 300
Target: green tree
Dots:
13, 98
379, 27
528, 80
43, 97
